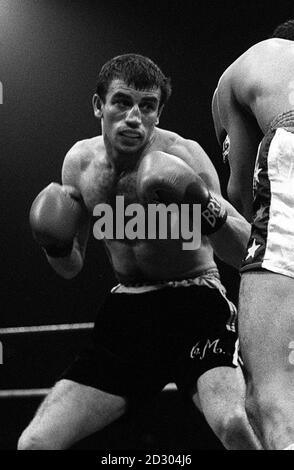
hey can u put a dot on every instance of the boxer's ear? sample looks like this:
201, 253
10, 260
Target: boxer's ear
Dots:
159, 114
97, 106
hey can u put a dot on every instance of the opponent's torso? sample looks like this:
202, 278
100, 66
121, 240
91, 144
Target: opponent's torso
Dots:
138, 260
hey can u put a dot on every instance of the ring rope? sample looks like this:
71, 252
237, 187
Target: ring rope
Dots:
46, 328
34, 392
40, 392
17, 393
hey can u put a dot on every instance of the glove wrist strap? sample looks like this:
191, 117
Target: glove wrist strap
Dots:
213, 217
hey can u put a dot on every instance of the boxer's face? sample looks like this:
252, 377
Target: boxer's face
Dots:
129, 116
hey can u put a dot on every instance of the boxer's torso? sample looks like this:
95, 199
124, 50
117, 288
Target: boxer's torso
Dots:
137, 260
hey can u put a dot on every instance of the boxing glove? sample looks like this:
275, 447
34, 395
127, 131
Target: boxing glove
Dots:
164, 178
55, 217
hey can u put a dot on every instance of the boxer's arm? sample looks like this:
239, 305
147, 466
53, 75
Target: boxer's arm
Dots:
220, 131
69, 266
233, 116
229, 241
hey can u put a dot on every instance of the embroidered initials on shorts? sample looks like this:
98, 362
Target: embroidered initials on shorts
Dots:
200, 352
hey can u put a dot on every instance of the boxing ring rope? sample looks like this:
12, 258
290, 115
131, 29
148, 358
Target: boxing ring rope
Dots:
46, 328
41, 392
19, 393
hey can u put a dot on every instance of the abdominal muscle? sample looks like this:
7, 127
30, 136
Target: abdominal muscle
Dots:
143, 261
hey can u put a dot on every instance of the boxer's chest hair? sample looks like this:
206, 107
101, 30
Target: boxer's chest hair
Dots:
126, 186
97, 182
101, 184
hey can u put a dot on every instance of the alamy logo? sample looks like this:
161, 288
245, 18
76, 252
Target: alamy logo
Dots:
156, 221
200, 351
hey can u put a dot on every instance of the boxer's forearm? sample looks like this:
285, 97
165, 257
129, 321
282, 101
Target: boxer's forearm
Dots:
230, 241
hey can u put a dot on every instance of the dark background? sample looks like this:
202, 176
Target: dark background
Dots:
50, 55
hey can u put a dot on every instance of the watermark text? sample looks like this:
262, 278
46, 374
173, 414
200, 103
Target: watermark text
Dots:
151, 222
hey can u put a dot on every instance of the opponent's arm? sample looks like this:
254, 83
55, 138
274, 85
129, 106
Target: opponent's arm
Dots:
220, 131
233, 119
60, 221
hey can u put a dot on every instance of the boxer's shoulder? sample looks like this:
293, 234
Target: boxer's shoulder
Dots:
250, 62
87, 149
188, 150
81, 155
170, 142
83, 152
251, 75
164, 139
270, 47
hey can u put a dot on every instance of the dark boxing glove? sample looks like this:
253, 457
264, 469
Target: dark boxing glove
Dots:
55, 217
168, 179
213, 214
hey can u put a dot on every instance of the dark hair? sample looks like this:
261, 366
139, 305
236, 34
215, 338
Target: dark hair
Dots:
284, 30
136, 70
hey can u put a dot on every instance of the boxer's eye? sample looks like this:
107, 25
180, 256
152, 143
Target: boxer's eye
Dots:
122, 103
148, 107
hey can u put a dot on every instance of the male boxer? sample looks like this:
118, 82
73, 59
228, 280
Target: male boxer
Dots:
168, 319
253, 107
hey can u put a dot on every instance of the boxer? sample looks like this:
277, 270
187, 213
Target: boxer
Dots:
253, 107
168, 319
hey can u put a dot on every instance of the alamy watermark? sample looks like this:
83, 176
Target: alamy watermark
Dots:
1, 93
155, 221
1, 353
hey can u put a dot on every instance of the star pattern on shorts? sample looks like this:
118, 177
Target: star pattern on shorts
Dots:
256, 174
259, 213
252, 249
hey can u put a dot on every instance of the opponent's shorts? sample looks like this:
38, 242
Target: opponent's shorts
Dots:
167, 332
271, 244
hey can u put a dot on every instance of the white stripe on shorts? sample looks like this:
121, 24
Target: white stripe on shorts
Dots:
279, 253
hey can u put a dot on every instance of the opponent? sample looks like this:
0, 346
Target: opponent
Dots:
253, 111
168, 319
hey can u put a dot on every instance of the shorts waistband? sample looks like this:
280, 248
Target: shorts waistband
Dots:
209, 278
282, 120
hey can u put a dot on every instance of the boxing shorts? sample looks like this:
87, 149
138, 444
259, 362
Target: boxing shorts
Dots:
271, 243
146, 336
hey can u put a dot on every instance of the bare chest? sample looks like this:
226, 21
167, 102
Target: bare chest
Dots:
126, 187
101, 184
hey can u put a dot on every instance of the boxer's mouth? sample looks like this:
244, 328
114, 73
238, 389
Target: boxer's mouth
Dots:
131, 134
